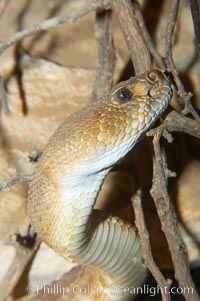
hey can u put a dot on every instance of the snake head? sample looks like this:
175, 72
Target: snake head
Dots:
117, 122
147, 85
105, 130
132, 106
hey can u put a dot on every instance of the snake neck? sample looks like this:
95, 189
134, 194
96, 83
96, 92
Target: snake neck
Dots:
81, 200
84, 235
61, 211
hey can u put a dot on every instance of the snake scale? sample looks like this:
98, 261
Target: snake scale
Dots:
72, 168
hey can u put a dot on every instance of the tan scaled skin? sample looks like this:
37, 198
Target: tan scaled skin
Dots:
72, 168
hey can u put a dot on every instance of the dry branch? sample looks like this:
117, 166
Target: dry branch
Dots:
139, 53
176, 122
23, 254
146, 247
146, 35
106, 54
51, 23
195, 11
170, 62
16, 179
168, 220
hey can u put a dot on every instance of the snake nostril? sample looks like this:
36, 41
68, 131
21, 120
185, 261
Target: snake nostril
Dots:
154, 76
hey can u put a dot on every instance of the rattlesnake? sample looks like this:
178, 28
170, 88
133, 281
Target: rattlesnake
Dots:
72, 168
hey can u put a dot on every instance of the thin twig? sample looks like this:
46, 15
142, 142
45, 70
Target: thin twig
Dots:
146, 247
168, 44
106, 54
176, 122
53, 9
194, 7
146, 35
170, 62
16, 179
51, 23
169, 222
139, 53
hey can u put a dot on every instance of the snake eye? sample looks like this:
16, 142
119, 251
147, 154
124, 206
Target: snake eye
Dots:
123, 95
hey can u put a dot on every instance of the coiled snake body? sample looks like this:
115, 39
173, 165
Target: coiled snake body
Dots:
72, 168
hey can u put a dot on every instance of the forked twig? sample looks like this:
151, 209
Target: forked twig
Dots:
176, 122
